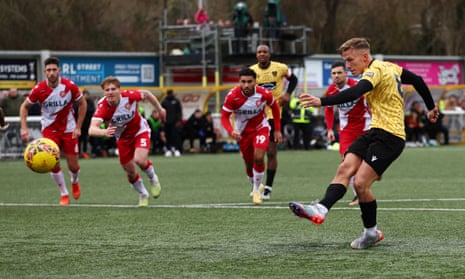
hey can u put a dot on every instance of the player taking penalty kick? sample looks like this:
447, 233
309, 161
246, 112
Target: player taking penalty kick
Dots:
372, 153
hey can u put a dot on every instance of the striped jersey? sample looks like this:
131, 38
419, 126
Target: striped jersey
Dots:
353, 116
125, 116
56, 104
249, 112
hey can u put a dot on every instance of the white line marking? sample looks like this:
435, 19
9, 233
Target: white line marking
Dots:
268, 205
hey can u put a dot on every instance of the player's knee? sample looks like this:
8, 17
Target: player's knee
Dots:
141, 162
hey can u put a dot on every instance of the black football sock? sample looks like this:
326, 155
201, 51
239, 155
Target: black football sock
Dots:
368, 213
270, 177
334, 192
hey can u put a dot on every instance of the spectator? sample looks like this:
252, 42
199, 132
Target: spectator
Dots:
242, 23
173, 124
193, 129
301, 120
434, 129
187, 50
273, 21
416, 121
84, 139
157, 133
4, 94
12, 103
3, 124
201, 17
210, 132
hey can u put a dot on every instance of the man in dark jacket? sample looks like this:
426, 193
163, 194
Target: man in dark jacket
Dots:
173, 124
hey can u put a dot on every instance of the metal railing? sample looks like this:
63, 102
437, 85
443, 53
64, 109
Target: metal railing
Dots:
174, 39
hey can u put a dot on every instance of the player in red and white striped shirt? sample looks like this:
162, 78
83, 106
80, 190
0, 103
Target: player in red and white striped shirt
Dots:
119, 110
56, 96
251, 128
354, 116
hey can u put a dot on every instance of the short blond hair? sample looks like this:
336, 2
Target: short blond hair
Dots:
111, 79
355, 43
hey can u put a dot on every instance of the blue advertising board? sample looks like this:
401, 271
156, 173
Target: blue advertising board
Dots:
327, 72
132, 72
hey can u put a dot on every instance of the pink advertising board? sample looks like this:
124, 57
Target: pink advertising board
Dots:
435, 72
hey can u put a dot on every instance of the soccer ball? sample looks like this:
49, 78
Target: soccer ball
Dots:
42, 155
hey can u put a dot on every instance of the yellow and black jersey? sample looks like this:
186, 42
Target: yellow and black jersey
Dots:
385, 99
272, 78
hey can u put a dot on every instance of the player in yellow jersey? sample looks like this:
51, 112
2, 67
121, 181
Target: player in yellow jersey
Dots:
370, 154
271, 75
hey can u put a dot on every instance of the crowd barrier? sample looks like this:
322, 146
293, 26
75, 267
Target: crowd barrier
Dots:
11, 145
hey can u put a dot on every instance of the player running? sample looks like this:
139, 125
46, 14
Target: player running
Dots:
271, 75
119, 110
56, 96
251, 130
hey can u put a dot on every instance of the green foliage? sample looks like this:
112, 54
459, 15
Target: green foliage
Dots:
205, 226
409, 28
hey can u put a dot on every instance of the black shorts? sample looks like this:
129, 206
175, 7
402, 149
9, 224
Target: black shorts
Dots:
271, 122
378, 149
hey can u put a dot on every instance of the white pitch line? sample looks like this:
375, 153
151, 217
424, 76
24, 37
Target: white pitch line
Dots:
268, 205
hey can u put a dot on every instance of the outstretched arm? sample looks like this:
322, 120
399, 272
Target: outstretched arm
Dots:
96, 131
290, 88
154, 101
347, 95
420, 86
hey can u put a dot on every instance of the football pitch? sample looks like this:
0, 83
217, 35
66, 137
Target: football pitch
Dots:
205, 226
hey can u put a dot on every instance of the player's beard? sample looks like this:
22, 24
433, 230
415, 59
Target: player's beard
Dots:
247, 91
53, 81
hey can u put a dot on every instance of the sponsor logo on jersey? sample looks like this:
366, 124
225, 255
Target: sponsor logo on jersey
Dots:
122, 118
249, 111
54, 104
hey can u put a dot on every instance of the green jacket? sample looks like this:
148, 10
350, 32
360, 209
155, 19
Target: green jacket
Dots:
300, 114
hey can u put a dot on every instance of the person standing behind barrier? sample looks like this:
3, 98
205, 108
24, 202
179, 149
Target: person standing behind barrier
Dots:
12, 103
56, 96
242, 23
193, 129
302, 123
369, 156
173, 124
271, 75
211, 132
3, 124
251, 130
84, 139
157, 134
272, 22
132, 133
354, 116
201, 17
